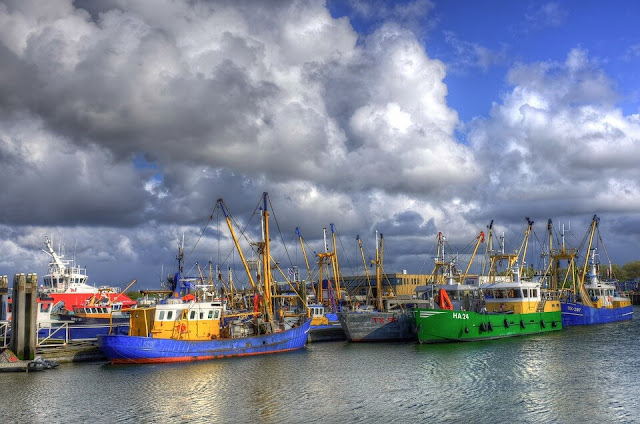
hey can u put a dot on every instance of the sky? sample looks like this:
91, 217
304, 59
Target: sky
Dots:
122, 123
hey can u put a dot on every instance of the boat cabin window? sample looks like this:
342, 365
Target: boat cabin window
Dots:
525, 293
210, 314
169, 315
161, 316
201, 315
500, 294
217, 314
193, 315
534, 293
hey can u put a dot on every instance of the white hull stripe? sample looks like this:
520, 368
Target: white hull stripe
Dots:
427, 314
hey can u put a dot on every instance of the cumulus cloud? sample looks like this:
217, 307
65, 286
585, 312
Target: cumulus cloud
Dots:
140, 114
123, 122
557, 144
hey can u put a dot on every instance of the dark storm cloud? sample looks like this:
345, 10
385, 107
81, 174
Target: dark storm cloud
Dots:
229, 99
407, 223
47, 182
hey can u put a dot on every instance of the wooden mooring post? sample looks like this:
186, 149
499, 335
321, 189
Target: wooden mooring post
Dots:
24, 331
4, 297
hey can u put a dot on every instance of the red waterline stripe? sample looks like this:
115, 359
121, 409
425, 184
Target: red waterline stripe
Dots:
193, 358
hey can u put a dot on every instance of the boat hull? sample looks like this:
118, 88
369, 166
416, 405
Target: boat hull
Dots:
75, 299
124, 349
579, 314
378, 326
80, 332
80, 320
326, 333
436, 325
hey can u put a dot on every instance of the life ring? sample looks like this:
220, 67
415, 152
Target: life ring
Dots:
490, 326
543, 324
506, 323
445, 302
522, 324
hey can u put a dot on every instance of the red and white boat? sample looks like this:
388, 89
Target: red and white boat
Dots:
67, 282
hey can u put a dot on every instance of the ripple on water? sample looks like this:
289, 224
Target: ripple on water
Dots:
582, 374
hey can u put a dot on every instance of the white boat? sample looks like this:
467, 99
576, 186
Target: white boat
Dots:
66, 282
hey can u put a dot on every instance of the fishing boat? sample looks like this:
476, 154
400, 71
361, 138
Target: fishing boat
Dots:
66, 282
325, 325
51, 327
389, 320
462, 312
468, 313
100, 309
591, 301
196, 327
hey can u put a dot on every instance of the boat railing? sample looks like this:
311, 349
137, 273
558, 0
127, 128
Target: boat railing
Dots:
550, 295
240, 315
57, 336
4, 334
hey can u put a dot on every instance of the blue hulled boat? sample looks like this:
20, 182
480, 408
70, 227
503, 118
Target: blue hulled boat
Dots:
579, 314
592, 301
121, 349
194, 324
606, 304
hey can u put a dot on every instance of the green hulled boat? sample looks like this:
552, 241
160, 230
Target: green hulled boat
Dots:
468, 313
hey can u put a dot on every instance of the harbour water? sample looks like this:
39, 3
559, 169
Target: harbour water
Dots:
581, 374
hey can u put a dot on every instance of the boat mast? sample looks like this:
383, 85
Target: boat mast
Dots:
480, 239
180, 258
366, 271
585, 296
325, 259
439, 260
511, 258
488, 250
378, 263
233, 295
334, 262
306, 261
525, 243
266, 262
555, 255
235, 241
321, 264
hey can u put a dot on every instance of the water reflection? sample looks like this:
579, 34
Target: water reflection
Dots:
580, 374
